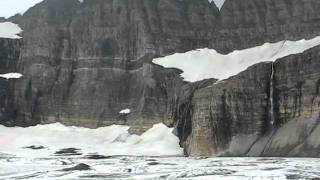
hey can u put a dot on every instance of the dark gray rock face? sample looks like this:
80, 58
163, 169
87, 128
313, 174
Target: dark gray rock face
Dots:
85, 62
233, 117
235, 106
9, 56
247, 23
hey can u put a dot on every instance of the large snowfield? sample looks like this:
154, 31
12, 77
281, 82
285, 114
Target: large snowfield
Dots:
111, 140
203, 64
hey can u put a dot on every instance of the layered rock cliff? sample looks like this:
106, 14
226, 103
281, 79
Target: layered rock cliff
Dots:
247, 23
85, 62
9, 56
233, 117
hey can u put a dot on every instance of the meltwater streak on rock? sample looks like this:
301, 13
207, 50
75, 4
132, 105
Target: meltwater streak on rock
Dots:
271, 110
271, 91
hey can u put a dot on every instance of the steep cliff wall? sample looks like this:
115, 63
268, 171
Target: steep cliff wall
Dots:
247, 23
9, 56
85, 62
233, 117
238, 105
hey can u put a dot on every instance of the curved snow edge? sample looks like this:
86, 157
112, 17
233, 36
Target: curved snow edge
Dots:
9, 30
206, 63
111, 140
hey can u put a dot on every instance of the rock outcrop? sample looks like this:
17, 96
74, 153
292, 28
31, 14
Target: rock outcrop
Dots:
235, 106
85, 62
9, 56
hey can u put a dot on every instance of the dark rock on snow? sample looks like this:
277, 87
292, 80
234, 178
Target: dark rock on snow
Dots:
79, 167
35, 147
68, 152
97, 156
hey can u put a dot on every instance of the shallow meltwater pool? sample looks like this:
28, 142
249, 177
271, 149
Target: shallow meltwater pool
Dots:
96, 166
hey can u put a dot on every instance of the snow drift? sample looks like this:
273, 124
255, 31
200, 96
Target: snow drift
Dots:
125, 111
208, 63
11, 76
9, 30
111, 140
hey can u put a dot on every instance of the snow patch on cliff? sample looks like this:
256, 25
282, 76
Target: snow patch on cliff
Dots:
9, 30
203, 64
125, 111
11, 76
111, 140
218, 3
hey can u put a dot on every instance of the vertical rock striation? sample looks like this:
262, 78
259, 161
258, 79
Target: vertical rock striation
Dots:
236, 106
248, 23
9, 56
233, 117
85, 62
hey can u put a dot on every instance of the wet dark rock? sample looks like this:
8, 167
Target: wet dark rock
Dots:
153, 163
295, 176
64, 163
34, 147
151, 160
271, 169
68, 152
79, 167
97, 156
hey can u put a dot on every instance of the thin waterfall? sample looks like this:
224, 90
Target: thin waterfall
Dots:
271, 110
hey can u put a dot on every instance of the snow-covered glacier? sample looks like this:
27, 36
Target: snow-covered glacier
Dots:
55, 151
111, 140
